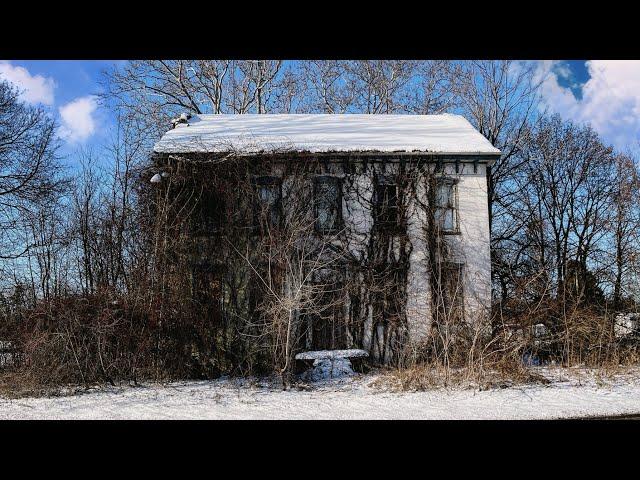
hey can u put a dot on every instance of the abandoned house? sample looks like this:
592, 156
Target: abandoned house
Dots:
329, 231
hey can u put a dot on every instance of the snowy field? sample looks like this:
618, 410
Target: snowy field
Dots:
576, 395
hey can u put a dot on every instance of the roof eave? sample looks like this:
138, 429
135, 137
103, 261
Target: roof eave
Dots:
489, 157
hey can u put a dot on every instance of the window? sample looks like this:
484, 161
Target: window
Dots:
446, 205
325, 323
207, 285
386, 204
327, 194
268, 207
451, 290
208, 215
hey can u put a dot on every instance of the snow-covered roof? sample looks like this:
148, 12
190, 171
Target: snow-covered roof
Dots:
321, 133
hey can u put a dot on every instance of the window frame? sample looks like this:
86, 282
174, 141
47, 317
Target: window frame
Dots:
208, 217
339, 223
459, 300
326, 317
439, 220
392, 222
262, 181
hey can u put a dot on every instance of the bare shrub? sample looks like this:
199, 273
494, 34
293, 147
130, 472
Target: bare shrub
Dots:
86, 340
484, 363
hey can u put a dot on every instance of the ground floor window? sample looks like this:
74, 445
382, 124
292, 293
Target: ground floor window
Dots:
207, 285
209, 213
451, 290
324, 315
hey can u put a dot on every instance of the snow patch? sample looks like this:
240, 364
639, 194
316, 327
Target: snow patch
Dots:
332, 354
626, 324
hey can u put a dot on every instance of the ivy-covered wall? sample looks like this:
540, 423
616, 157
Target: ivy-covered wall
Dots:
277, 285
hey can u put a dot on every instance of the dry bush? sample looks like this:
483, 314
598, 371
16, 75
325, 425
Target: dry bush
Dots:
429, 376
574, 334
472, 358
87, 340
493, 366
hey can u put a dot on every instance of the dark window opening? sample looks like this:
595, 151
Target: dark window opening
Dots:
262, 277
327, 194
324, 315
452, 290
386, 208
446, 205
208, 214
268, 204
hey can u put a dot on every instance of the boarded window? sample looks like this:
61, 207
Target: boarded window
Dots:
268, 205
327, 194
446, 205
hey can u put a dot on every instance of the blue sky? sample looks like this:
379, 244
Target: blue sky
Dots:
603, 93
73, 77
68, 89
572, 74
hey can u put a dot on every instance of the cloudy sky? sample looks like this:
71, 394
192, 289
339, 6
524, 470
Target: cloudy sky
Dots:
68, 90
604, 93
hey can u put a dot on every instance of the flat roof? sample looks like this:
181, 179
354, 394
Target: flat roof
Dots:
325, 133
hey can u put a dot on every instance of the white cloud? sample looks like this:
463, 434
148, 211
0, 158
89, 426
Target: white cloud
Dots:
78, 122
563, 70
33, 88
610, 100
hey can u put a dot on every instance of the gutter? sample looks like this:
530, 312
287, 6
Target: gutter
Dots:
488, 158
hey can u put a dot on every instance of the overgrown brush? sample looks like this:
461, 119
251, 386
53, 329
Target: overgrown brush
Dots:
86, 340
428, 376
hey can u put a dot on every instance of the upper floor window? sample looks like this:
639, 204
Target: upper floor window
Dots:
327, 195
268, 206
209, 211
446, 205
386, 204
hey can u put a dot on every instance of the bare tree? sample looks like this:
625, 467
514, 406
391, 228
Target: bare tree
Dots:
624, 227
150, 92
328, 87
500, 98
29, 168
379, 84
104, 209
375, 86
432, 92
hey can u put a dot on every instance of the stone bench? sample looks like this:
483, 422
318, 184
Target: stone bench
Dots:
354, 356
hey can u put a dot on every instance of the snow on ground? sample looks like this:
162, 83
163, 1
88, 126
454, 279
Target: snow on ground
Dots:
575, 395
